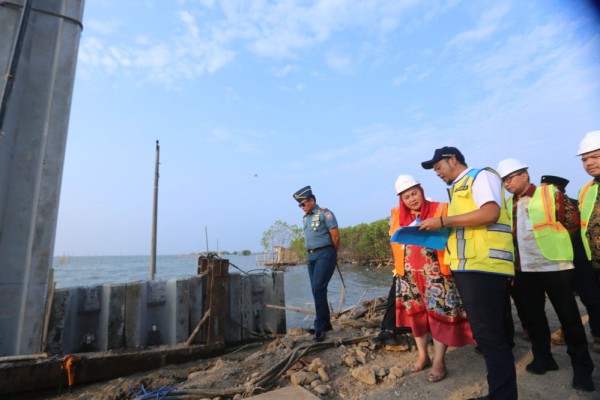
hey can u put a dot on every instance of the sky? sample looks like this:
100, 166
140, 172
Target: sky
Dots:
252, 100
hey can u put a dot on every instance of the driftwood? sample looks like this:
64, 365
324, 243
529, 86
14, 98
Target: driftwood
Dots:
295, 309
197, 328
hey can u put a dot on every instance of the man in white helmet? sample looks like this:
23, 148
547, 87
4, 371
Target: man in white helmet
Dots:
589, 206
480, 253
542, 223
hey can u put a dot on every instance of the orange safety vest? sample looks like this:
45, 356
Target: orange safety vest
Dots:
398, 248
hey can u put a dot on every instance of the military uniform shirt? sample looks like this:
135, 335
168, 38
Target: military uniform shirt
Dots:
316, 227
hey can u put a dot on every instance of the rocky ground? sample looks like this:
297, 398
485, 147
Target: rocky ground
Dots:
345, 366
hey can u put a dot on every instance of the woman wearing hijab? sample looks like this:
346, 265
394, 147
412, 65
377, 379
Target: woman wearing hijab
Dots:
426, 299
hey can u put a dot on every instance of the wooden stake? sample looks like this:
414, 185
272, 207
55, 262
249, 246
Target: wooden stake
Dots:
197, 328
48, 311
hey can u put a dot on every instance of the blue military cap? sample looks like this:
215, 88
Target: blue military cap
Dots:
303, 194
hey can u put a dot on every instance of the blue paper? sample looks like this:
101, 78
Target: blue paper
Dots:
431, 239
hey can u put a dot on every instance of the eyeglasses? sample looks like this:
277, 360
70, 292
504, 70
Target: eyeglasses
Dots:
304, 203
510, 177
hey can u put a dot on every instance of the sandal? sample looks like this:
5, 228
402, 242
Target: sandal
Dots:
420, 368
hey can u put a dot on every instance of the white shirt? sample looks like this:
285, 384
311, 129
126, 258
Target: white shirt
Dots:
530, 254
487, 187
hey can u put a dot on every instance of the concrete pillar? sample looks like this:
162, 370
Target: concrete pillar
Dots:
32, 148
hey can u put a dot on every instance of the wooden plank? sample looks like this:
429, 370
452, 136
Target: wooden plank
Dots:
218, 293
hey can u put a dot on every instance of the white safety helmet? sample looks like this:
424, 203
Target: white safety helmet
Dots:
590, 142
508, 166
405, 182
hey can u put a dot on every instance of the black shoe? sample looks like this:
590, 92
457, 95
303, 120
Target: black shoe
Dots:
541, 367
319, 337
480, 398
312, 330
386, 338
583, 383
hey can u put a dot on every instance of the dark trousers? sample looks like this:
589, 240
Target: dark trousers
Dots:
485, 299
559, 286
389, 318
514, 294
321, 265
587, 284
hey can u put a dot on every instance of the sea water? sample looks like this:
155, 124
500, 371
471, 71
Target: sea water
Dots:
360, 282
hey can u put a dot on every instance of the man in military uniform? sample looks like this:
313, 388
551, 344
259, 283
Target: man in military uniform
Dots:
322, 239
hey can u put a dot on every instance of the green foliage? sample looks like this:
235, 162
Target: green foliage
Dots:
246, 252
298, 246
365, 242
280, 234
360, 243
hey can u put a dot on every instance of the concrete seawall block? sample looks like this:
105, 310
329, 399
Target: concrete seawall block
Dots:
247, 316
233, 331
155, 328
178, 309
112, 317
58, 316
197, 303
85, 324
135, 294
274, 294
258, 306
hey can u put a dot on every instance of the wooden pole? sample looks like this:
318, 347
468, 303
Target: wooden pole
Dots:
154, 215
48, 313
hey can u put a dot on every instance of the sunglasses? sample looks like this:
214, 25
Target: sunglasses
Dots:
304, 203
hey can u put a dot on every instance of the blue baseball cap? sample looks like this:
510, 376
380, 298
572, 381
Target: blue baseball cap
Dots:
440, 154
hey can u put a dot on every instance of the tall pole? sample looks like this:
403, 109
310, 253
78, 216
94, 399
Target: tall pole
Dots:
206, 235
154, 214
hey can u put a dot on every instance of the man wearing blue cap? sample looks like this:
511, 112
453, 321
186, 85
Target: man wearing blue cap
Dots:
322, 239
480, 253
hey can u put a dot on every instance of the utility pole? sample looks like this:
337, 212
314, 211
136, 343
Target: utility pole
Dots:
154, 215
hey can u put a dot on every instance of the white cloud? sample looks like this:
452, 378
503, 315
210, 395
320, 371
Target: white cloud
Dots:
208, 35
489, 23
337, 62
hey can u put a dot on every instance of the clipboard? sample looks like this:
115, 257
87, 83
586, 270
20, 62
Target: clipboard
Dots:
431, 239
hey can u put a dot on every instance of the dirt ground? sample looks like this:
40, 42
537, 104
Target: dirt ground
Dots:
466, 376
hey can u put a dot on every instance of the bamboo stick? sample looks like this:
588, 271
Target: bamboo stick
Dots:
295, 309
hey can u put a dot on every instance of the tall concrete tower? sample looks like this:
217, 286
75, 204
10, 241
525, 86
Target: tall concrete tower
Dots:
39, 40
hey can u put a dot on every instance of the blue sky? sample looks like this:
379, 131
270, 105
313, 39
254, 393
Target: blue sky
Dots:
252, 100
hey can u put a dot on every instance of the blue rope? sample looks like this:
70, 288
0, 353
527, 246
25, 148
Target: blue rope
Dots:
158, 394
